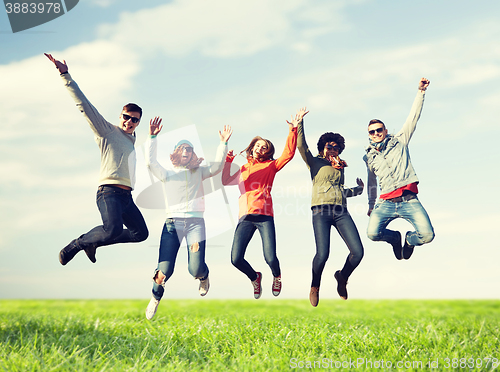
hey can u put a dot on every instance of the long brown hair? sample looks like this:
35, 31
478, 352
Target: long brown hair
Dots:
267, 155
175, 158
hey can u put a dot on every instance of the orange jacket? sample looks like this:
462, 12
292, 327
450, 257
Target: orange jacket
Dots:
255, 179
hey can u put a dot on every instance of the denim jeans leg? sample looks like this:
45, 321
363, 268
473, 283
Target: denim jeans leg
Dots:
267, 232
137, 230
111, 203
349, 233
414, 212
196, 244
242, 236
383, 213
117, 208
322, 221
169, 247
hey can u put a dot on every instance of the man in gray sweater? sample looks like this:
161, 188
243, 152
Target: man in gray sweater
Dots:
117, 176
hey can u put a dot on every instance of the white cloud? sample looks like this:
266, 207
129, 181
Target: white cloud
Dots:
37, 99
103, 3
225, 28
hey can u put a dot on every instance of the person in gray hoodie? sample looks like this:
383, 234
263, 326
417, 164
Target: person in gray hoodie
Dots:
388, 158
185, 205
117, 176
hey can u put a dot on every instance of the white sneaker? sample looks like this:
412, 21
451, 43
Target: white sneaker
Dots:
151, 309
204, 286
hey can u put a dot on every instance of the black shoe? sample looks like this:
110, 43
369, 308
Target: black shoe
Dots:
341, 285
397, 248
90, 251
68, 252
407, 249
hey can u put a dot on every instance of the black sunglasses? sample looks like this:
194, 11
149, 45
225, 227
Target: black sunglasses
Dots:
128, 117
378, 130
330, 147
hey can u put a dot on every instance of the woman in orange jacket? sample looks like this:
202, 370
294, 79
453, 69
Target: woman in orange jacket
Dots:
255, 181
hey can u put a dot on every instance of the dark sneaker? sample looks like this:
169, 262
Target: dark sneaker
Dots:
257, 287
407, 249
277, 285
397, 247
314, 296
67, 253
341, 285
90, 251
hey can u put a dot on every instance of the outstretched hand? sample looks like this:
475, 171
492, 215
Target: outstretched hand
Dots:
155, 126
61, 66
359, 181
298, 118
423, 84
226, 133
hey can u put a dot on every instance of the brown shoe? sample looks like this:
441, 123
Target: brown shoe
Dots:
67, 253
341, 285
314, 296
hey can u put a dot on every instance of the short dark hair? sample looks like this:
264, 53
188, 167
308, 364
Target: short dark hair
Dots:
331, 137
376, 121
268, 155
132, 107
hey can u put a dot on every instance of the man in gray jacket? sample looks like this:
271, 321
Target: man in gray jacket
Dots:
388, 158
117, 176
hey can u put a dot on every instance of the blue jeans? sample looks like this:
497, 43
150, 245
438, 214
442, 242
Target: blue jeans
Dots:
117, 209
411, 210
242, 236
323, 218
174, 231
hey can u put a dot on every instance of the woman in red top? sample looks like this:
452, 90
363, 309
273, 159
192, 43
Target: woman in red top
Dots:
255, 180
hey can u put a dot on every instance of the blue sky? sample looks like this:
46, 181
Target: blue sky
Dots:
251, 65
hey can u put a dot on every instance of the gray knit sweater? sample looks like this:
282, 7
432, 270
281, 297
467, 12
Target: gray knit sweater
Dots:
117, 147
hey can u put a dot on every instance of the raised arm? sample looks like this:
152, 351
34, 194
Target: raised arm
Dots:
97, 123
215, 167
302, 146
410, 124
291, 141
151, 150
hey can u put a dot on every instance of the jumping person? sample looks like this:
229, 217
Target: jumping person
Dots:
329, 208
388, 158
255, 180
185, 206
117, 176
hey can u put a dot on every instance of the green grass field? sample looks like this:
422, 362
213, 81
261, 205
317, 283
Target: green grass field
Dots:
249, 335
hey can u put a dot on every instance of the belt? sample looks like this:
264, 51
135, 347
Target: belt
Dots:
118, 187
402, 198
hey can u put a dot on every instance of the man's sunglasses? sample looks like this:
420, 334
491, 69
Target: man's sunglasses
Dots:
378, 130
330, 147
128, 117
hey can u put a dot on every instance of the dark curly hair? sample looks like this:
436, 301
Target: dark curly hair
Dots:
331, 137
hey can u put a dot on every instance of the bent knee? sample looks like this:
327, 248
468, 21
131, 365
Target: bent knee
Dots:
427, 238
373, 236
160, 278
236, 261
141, 236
